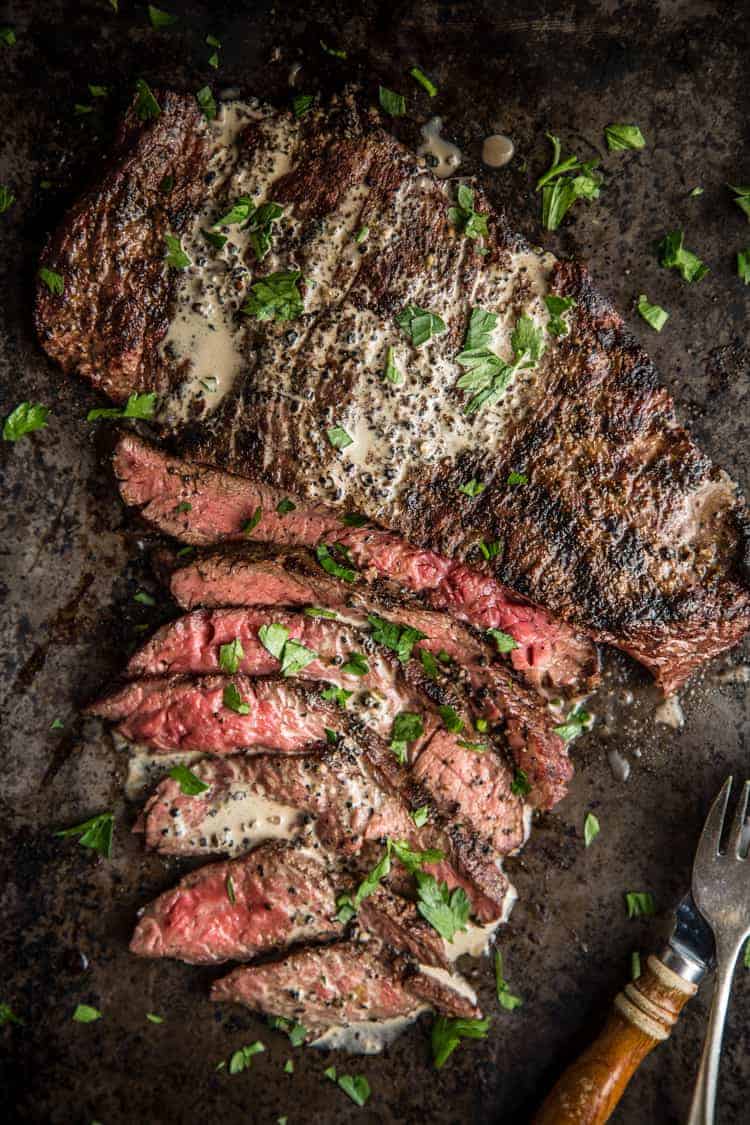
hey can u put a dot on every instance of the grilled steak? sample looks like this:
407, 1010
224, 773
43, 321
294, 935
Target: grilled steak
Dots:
249, 577
181, 713
397, 922
231, 911
200, 505
624, 529
341, 984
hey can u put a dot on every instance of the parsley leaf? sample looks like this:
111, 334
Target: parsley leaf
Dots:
420, 816
492, 549
175, 256
452, 721
95, 833
331, 566
392, 373
229, 886
640, 904
189, 782
361, 235
398, 638
316, 611
354, 519
7, 1015
297, 1032
7, 36
591, 829
336, 52
98, 91
232, 699
335, 694
339, 438
472, 488
619, 137
504, 641
479, 329
144, 598
743, 266
393, 103
207, 102
517, 478
273, 637
520, 785
275, 297
160, 18
560, 188
152, 1018
742, 198
356, 665
24, 419
285, 506
407, 727
674, 256
488, 375
429, 663
239, 212
557, 307
356, 1086
54, 281
84, 1013
230, 656
137, 406
419, 76
504, 997
419, 324
146, 106
242, 1059
635, 965
260, 227
302, 104
575, 724
447, 1034
464, 218
252, 523
296, 656
446, 911
7, 198
654, 315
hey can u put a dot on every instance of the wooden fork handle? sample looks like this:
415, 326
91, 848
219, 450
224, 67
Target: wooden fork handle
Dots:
643, 1016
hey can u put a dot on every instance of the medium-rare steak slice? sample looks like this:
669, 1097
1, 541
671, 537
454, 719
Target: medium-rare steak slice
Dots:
397, 922
338, 985
218, 714
619, 524
271, 898
199, 505
249, 577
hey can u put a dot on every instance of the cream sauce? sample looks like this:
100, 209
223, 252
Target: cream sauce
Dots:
739, 674
619, 765
450, 980
369, 1037
670, 713
444, 157
146, 769
497, 150
241, 822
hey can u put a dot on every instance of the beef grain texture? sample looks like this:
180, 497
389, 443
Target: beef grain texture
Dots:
624, 529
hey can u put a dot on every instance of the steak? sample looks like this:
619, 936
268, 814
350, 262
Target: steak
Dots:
199, 505
621, 527
341, 984
232, 911
183, 713
249, 577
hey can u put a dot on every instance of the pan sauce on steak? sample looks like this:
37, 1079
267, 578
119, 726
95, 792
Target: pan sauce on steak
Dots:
624, 528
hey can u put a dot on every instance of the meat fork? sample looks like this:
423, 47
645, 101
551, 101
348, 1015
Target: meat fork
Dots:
712, 922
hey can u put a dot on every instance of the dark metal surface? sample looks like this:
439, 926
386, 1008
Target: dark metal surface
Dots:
70, 561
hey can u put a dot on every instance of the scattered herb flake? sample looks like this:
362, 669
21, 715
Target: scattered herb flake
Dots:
239, 212
742, 198
475, 747
577, 721
289, 1066
520, 785
175, 255
273, 637
673, 255
557, 307
504, 641
591, 829
419, 76
331, 566
335, 694
285, 506
330, 1073
302, 104
54, 281
392, 373
160, 18
355, 665
152, 1018
98, 91
504, 997
216, 239
316, 611
492, 549
488, 375
189, 782
356, 1086
421, 816
7, 198
620, 137
464, 218
296, 656
338, 437
137, 406
252, 523
7, 36
361, 235
25, 419
95, 833
229, 884
695, 192
57, 724
472, 488
7, 1015
429, 663
242, 1059
640, 904
419, 324
394, 104
560, 188
84, 1013
654, 315
336, 52
144, 598
447, 1034
275, 297
231, 656
146, 106
452, 721
517, 478
233, 700
743, 266
354, 519
398, 638
635, 964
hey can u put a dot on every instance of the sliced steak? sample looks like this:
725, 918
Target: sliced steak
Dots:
232, 911
183, 713
341, 984
249, 577
199, 505
397, 922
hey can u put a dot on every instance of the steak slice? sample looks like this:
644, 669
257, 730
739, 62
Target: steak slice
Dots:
199, 505
338, 985
397, 922
623, 529
232, 911
250, 577
183, 713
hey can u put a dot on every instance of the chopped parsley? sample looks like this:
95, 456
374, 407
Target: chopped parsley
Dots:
54, 281
393, 103
289, 1066
230, 656
98, 91
447, 911
464, 218
489, 376
565, 181
420, 816
517, 478
746, 955
577, 721
137, 406
285, 506
207, 102
302, 104
146, 106
635, 965
242, 1059
591, 829
695, 192
335, 694
252, 523
504, 641
356, 665
260, 227
297, 1032
229, 885
419, 76
472, 488
81, 110
392, 373
292, 655
57, 724
95, 833
7, 198
356, 1086
654, 315
361, 235
640, 904
7, 36
557, 307
429, 663
419, 324
354, 519
24, 419
407, 727
275, 297
84, 1013
447, 1034
315, 611
338, 437
175, 256
232, 699
398, 638
144, 598
475, 747
492, 549
152, 1018
239, 212
160, 18
336, 52
273, 637
331, 566
213, 58
741, 198
673, 255
452, 721
620, 137
7, 1015
504, 996
520, 786
743, 266
189, 782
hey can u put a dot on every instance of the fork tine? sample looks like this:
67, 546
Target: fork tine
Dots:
708, 845
734, 844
